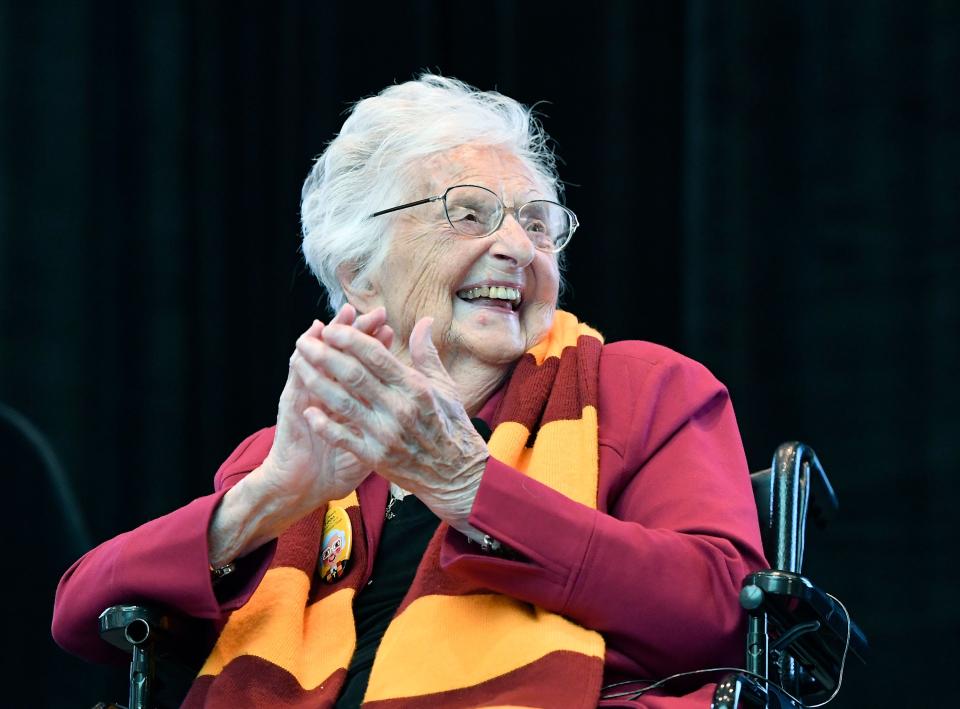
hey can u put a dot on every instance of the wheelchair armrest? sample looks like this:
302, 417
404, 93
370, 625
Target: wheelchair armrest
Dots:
167, 650
126, 627
129, 626
791, 601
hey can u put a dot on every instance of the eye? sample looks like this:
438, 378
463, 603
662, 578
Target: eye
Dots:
535, 226
462, 213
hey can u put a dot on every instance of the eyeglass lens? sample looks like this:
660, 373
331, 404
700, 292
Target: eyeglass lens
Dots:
475, 211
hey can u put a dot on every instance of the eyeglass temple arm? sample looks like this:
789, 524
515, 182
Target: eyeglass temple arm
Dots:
405, 206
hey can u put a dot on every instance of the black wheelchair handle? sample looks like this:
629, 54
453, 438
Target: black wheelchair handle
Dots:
798, 485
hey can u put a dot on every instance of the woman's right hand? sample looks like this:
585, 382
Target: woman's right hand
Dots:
301, 467
300, 473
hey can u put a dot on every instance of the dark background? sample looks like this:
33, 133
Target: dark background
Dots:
770, 188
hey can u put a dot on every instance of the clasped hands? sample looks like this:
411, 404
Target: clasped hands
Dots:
350, 407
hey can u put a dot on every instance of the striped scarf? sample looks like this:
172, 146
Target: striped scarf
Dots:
451, 643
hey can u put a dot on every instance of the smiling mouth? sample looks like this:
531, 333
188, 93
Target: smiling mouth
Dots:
502, 297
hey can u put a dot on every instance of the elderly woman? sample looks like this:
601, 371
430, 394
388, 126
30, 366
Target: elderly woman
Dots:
467, 499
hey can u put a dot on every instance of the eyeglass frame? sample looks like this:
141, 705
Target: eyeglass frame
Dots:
504, 210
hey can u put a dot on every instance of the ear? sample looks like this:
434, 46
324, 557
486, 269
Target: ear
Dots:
362, 293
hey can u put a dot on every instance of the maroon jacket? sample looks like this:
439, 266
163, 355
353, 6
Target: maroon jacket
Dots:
656, 568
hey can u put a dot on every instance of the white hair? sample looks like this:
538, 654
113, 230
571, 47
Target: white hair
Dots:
365, 168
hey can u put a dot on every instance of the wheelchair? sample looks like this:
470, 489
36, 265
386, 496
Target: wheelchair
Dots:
798, 636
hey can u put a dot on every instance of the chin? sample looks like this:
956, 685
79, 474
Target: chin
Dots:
492, 348
498, 352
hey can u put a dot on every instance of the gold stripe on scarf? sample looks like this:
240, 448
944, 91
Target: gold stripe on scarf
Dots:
286, 636
512, 634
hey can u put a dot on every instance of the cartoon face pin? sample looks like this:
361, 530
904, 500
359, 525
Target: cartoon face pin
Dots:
336, 544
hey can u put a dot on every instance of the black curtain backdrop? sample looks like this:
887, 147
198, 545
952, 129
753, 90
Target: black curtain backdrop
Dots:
770, 188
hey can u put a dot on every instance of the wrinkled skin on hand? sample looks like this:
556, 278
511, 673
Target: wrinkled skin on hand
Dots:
303, 468
405, 422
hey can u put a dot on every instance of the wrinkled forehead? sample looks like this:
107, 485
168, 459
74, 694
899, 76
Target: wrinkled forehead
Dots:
496, 168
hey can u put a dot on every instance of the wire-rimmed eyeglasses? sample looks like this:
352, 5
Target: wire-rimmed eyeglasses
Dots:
476, 211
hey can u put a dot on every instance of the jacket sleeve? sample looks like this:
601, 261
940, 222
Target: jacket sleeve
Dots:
163, 562
657, 568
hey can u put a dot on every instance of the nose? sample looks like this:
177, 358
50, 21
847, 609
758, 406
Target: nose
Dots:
511, 243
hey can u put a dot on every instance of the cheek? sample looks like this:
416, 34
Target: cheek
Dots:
539, 313
428, 285
547, 288
554, 278
537, 321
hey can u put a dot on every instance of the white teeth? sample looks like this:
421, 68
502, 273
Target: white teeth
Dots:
498, 292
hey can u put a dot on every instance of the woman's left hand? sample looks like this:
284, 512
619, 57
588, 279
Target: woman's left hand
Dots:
407, 423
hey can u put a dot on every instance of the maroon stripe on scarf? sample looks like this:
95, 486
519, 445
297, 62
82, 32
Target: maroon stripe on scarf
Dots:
590, 349
560, 679
253, 682
527, 392
573, 389
298, 547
